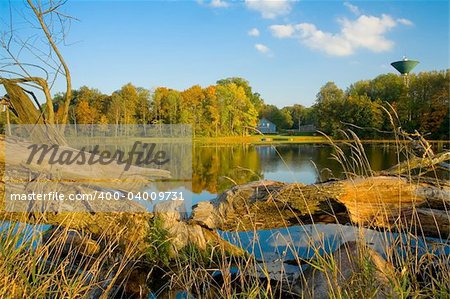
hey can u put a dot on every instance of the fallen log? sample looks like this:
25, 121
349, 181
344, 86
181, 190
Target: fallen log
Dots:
379, 202
418, 163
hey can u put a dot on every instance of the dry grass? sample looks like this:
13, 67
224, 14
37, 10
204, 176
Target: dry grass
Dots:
30, 268
67, 265
403, 268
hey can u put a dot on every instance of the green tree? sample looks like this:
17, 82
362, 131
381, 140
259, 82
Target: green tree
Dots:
329, 104
362, 112
143, 112
115, 109
423, 88
166, 105
237, 113
298, 115
386, 87
129, 97
432, 102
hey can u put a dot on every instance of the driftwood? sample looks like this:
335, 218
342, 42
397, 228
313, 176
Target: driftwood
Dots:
382, 202
386, 202
419, 163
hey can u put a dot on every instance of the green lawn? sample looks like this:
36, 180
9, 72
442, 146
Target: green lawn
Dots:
259, 139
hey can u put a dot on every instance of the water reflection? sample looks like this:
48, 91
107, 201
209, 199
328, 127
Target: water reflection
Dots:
217, 168
279, 251
302, 241
22, 234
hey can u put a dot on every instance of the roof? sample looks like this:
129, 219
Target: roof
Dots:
266, 120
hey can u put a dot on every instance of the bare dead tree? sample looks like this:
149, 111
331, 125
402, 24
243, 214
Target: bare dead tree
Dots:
36, 60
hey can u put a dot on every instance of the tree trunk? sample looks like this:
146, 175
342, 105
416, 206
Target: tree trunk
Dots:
68, 96
43, 129
379, 202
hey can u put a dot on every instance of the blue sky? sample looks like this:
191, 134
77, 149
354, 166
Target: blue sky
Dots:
286, 49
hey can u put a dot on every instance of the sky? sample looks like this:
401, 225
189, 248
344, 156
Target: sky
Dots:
287, 50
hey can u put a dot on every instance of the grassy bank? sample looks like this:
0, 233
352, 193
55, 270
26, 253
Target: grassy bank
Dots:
283, 139
259, 139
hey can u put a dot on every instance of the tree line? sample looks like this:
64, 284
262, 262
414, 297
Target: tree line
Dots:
231, 107
373, 107
228, 108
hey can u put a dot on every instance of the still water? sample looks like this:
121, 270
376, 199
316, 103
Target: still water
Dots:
217, 168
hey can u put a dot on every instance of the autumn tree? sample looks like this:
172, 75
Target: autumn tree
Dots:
85, 113
211, 110
254, 97
191, 108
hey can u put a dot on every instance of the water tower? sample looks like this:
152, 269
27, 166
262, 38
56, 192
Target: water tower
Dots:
404, 67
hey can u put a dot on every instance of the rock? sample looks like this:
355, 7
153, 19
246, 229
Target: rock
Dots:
357, 268
183, 233
172, 211
204, 214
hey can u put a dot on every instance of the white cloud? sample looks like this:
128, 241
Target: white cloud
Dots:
405, 22
270, 9
366, 32
262, 48
253, 32
353, 8
219, 4
282, 31
214, 3
330, 43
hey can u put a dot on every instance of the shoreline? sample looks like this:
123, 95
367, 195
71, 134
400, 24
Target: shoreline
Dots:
279, 139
